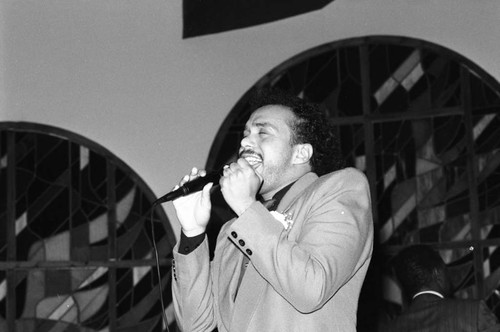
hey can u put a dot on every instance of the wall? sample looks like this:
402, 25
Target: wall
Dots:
119, 73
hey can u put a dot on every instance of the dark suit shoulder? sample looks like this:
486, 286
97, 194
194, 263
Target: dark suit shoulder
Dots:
483, 317
463, 304
434, 314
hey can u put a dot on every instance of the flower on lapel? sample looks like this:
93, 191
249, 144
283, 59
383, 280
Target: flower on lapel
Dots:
284, 218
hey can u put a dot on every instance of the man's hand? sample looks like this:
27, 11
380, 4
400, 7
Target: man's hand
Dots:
240, 185
193, 210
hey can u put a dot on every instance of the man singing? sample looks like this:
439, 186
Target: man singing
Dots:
296, 255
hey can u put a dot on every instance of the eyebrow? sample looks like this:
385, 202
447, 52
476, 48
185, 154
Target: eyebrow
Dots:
261, 125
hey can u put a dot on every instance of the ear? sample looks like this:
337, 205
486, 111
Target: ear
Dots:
302, 153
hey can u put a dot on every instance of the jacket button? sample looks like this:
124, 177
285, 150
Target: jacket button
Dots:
241, 242
233, 234
249, 252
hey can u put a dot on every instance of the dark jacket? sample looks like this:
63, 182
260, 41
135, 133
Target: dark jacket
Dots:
430, 313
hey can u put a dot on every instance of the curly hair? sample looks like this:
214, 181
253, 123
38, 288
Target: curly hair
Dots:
310, 125
414, 268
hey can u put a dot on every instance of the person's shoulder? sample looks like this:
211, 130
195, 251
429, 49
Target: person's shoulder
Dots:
347, 181
462, 303
459, 301
346, 172
348, 176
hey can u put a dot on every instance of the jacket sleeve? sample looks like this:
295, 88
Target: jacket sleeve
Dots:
330, 239
191, 290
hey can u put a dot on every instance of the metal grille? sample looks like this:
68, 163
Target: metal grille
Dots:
75, 239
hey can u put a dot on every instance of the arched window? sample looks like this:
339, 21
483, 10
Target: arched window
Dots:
76, 241
422, 122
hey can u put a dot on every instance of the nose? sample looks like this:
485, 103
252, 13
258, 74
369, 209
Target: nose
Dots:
246, 141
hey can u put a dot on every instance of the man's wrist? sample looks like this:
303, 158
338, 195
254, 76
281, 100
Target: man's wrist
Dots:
243, 207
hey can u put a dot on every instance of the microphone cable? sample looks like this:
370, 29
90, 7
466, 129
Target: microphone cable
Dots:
188, 187
157, 260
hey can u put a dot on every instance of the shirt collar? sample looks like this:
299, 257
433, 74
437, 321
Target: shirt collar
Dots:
273, 203
429, 292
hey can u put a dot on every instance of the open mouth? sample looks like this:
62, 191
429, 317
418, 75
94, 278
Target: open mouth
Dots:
254, 159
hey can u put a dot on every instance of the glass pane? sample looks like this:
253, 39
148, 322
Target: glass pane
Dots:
63, 276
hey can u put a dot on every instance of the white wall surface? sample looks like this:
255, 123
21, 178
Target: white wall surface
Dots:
119, 73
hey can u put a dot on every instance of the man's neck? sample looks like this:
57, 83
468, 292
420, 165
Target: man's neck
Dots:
270, 194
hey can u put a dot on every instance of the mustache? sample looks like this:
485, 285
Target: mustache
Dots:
248, 153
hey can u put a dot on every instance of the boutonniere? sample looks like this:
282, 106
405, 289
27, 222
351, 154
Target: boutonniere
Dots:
284, 218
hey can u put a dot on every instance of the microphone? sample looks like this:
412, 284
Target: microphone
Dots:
192, 186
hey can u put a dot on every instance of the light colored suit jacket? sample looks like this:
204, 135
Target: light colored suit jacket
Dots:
304, 278
430, 313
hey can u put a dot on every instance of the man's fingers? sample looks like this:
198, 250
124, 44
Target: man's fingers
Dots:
184, 180
244, 163
195, 173
205, 195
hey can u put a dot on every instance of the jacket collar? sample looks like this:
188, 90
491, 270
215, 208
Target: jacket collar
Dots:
297, 188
